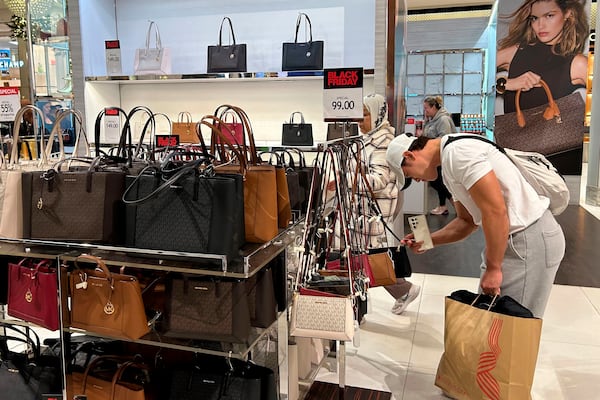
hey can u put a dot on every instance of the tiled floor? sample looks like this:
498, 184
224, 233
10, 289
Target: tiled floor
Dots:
400, 353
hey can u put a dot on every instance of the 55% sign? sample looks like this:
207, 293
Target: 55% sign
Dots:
9, 103
343, 94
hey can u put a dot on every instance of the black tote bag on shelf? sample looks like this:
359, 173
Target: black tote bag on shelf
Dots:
185, 211
226, 58
297, 134
302, 56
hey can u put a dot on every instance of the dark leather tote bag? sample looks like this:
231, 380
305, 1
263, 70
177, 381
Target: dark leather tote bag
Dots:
297, 134
261, 298
302, 56
547, 129
226, 58
335, 130
185, 211
76, 205
207, 309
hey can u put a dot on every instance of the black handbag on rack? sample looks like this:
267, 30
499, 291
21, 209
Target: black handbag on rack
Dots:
226, 58
185, 210
297, 134
301, 56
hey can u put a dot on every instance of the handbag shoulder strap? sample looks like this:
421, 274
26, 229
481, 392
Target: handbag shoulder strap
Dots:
292, 117
230, 29
157, 41
308, 28
550, 112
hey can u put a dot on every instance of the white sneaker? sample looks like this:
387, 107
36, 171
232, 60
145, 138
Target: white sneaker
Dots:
403, 302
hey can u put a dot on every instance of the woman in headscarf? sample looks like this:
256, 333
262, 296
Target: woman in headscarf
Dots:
377, 133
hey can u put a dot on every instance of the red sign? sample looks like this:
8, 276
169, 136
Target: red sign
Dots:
111, 44
343, 78
167, 140
7, 91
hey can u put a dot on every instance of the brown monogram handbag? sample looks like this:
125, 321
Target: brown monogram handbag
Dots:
547, 129
106, 303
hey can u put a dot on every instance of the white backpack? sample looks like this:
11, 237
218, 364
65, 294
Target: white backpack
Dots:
537, 171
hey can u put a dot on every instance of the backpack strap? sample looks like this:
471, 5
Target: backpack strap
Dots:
470, 136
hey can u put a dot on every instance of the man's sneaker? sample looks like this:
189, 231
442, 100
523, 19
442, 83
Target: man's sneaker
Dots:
403, 302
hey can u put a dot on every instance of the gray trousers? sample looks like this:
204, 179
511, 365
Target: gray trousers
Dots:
530, 263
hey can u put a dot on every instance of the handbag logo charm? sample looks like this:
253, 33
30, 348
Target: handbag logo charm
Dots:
28, 296
109, 308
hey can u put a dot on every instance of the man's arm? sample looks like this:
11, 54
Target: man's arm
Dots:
487, 195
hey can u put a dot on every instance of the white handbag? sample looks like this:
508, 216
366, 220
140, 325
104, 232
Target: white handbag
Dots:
152, 60
324, 317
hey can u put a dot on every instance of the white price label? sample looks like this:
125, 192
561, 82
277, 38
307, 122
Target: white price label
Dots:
343, 94
112, 126
9, 103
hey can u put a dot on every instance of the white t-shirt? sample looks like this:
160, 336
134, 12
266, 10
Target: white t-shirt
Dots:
466, 161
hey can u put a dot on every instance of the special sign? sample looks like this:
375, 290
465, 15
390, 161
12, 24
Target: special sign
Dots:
343, 94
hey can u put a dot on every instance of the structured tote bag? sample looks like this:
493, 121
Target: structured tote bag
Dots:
207, 309
297, 134
185, 128
106, 303
340, 130
547, 129
226, 58
152, 60
32, 293
302, 55
487, 353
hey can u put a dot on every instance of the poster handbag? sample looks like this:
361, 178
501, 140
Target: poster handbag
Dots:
488, 353
322, 315
339, 130
297, 134
105, 302
185, 128
152, 60
546, 129
185, 210
32, 293
207, 309
226, 58
302, 56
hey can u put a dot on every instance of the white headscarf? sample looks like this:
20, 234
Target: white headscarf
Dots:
377, 107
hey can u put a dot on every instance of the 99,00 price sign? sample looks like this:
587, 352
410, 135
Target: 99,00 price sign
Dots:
343, 94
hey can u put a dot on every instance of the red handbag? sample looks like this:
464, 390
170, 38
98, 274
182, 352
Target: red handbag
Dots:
33, 293
235, 131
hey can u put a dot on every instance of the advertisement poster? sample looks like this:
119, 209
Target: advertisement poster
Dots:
542, 78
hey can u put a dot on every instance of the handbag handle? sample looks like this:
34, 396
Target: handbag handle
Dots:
117, 376
157, 40
550, 112
230, 29
37, 113
309, 28
186, 115
292, 117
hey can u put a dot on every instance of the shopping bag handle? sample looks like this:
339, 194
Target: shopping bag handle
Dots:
492, 303
550, 112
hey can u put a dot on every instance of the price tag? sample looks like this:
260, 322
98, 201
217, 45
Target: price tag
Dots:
113, 57
112, 126
343, 94
9, 103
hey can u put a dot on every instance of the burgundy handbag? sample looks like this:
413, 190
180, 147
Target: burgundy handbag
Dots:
33, 293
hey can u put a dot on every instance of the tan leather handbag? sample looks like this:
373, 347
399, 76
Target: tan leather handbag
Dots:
106, 303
